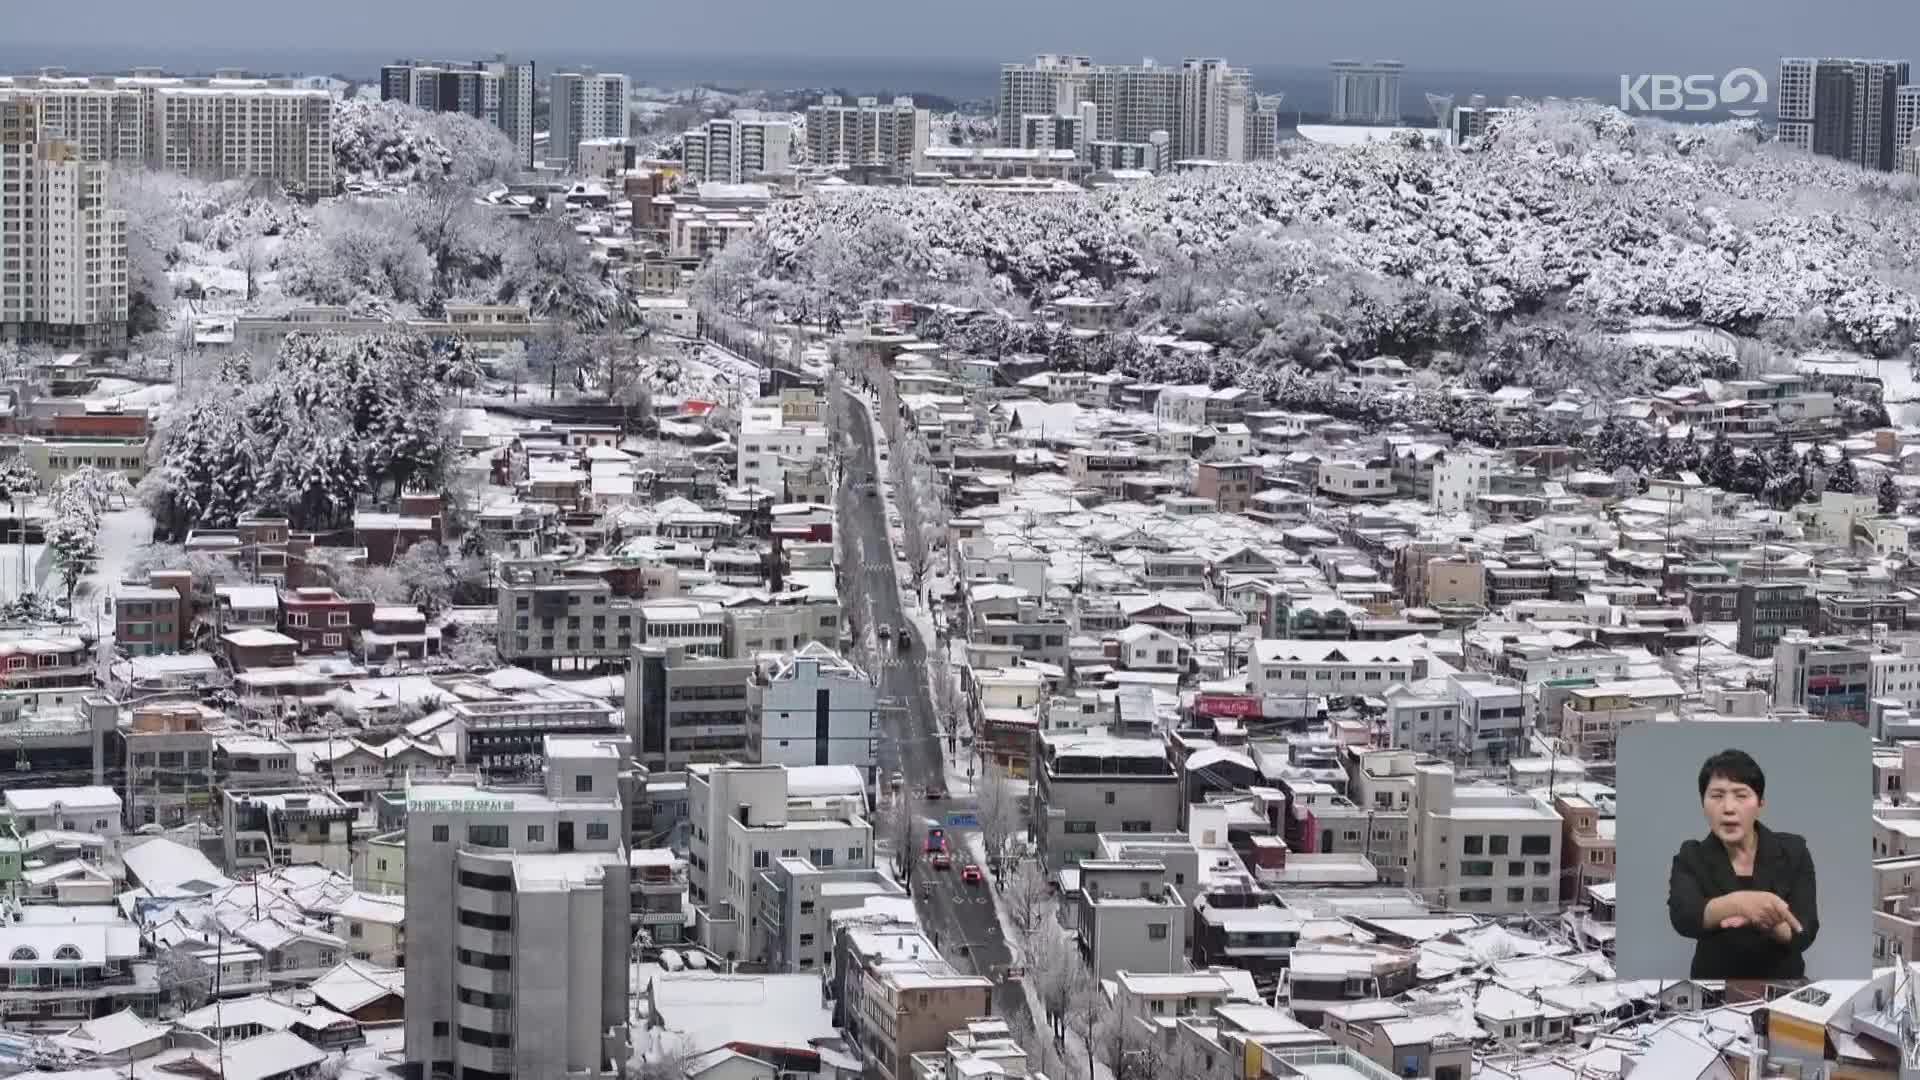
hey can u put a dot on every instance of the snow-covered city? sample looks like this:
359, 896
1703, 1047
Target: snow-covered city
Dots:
511, 568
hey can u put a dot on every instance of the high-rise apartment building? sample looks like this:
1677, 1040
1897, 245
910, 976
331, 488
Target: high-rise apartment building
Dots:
584, 104
223, 127
732, 150
1906, 117
63, 251
1844, 108
518, 923
868, 134
1366, 92
1206, 106
499, 91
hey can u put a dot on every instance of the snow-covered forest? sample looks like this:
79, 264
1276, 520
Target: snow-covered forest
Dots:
417, 244
330, 419
1513, 262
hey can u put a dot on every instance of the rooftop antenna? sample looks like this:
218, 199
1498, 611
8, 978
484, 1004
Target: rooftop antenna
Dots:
1442, 106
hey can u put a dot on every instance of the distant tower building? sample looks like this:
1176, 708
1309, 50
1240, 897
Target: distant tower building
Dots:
738, 148
1207, 106
1050, 86
1846, 108
868, 134
499, 91
584, 104
59, 240
1366, 93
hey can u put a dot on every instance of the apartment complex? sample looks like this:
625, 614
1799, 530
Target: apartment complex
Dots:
223, 127
63, 252
738, 148
518, 922
499, 91
1844, 108
1366, 92
584, 104
1482, 848
1207, 107
868, 134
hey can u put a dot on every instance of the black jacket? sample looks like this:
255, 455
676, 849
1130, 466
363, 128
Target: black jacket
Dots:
1702, 871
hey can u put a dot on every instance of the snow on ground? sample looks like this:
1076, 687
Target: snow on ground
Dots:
384, 1051
484, 421
122, 534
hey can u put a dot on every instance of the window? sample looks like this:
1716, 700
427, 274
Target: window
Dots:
1157, 931
1517, 868
536, 834
583, 784
1472, 845
1079, 827
1536, 844
596, 830
762, 860
490, 882
439, 1029
1497, 845
1541, 867
1109, 798
1476, 896
1515, 896
481, 920
1476, 868
439, 834
856, 854
497, 1040
483, 999
1539, 894
487, 835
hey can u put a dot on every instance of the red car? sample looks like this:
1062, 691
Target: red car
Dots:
942, 861
971, 874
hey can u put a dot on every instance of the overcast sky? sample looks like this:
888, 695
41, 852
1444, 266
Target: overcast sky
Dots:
1683, 36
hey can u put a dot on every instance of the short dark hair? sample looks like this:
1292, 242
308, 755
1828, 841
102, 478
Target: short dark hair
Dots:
1737, 766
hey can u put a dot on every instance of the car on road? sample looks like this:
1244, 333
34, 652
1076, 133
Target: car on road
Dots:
936, 792
886, 635
936, 840
904, 639
971, 874
893, 780
942, 861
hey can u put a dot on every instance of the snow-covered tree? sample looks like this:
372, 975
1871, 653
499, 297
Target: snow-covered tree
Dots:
547, 268
73, 544
1888, 494
362, 254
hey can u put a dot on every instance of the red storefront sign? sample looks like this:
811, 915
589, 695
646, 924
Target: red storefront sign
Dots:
1237, 705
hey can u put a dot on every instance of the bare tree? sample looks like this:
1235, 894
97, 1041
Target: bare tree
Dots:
1028, 898
1119, 1043
185, 980
1056, 971
1002, 822
899, 821
1087, 1009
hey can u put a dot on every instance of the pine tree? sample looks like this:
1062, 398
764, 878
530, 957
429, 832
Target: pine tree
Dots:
1719, 469
1844, 478
1889, 494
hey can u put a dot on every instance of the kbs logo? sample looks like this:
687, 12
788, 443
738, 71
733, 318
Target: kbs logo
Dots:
1740, 91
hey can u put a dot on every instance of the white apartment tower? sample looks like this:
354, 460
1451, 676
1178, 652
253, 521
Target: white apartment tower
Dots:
584, 104
1366, 92
518, 923
1206, 106
867, 134
222, 127
63, 252
499, 91
1051, 85
735, 149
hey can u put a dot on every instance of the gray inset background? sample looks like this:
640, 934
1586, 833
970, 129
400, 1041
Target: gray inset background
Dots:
1819, 784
